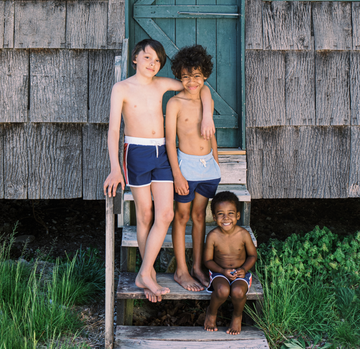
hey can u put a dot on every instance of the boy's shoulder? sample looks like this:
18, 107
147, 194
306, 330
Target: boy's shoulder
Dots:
176, 100
214, 233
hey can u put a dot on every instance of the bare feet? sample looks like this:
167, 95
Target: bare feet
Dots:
151, 296
147, 282
201, 276
235, 326
210, 322
186, 281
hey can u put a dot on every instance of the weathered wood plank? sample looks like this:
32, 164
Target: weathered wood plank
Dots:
265, 82
354, 178
300, 88
253, 25
299, 162
86, 24
54, 154
332, 25
101, 80
59, 86
14, 70
116, 23
96, 164
332, 88
1, 162
355, 6
233, 169
9, 18
355, 87
2, 22
15, 161
301, 26
128, 290
40, 24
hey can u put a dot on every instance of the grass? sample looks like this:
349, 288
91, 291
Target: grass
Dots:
36, 309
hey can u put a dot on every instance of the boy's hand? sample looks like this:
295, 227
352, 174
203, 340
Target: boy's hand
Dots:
240, 273
207, 127
111, 183
230, 274
181, 185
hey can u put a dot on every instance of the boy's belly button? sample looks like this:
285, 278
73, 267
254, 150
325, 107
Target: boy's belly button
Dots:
153, 132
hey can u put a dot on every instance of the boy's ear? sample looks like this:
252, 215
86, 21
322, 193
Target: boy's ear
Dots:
214, 217
238, 215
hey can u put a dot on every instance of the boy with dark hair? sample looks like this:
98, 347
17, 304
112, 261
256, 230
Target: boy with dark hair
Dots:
146, 167
194, 165
229, 255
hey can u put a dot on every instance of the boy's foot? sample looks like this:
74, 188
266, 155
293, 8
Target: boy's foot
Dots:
148, 283
151, 296
235, 326
201, 276
210, 322
186, 281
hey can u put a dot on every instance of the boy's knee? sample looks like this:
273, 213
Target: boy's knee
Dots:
145, 216
222, 291
182, 216
166, 216
198, 216
238, 293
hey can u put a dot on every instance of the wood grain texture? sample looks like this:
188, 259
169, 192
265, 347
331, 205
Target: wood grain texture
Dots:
40, 24
2, 22
233, 169
332, 88
58, 86
86, 24
15, 161
299, 162
354, 178
9, 18
355, 7
301, 26
300, 88
1, 162
14, 86
116, 23
265, 88
101, 80
96, 164
355, 87
253, 25
54, 155
332, 25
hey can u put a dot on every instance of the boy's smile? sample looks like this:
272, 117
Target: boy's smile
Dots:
147, 62
192, 82
226, 216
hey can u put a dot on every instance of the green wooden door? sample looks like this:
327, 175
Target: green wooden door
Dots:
215, 24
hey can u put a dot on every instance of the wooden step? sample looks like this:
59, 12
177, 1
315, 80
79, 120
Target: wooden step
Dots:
239, 190
129, 236
185, 337
231, 151
128, 290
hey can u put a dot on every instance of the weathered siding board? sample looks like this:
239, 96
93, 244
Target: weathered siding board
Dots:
300, 88
58, 86
265, 88
299, 162
332, 88
86, 24
40, 24
116, 23
101, 80
253, 25
356, 25
354, 178
15, 161
9, 17
332, 25
2, 23
96, 164
355, 87
14, 85
301, 27
54, 156
1, 162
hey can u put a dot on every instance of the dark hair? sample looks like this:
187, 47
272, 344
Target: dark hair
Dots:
155, 45
192, 57
223, 197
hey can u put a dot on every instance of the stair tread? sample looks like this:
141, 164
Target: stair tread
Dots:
129, 236
128, 290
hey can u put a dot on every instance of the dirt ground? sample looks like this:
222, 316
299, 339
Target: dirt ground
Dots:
60, 227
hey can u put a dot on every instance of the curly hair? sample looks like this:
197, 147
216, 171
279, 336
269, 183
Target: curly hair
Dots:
192, 57
225, 196
155, 45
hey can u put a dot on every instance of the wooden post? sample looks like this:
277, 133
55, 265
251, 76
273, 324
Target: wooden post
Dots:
109, 278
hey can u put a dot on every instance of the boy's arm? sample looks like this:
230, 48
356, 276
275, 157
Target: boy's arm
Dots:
251, 256
171, 84
180, 183
214, 149
115, 177
207, 123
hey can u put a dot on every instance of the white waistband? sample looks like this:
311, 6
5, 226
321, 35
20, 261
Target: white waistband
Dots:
144, 141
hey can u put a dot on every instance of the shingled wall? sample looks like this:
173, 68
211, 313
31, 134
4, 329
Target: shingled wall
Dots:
303, 99
56, 75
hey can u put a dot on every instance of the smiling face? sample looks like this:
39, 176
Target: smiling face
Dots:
192, 81
226, 216
147, 62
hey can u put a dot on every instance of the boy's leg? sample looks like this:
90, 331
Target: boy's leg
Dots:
163, 205
238, 298
198, 215
219, 296
181, 275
